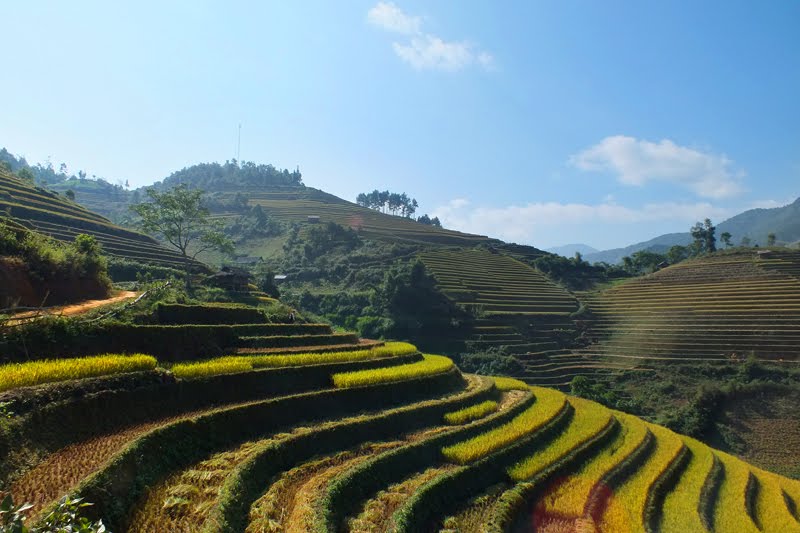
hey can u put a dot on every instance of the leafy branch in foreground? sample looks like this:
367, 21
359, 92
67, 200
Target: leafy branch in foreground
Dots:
65, 518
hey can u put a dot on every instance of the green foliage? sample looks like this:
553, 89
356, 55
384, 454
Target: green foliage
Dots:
428, 221
490, 362
703, 235
410, 298
601, 393
389, 201
231, 174
68, 272
64, 518
180, 217
575, 273
643, 262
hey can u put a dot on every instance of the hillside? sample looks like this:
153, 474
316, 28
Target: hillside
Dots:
754, 224
722, 306
382, 439
51, 214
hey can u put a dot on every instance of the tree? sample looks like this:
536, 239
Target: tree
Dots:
771, 239
677, 253
181, 218
745, 241
70, 194
725, 237
703, 235
26, 175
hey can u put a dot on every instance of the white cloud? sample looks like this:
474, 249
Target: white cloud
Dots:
425, 51
388, 16
637, 162
429, 52
545, 224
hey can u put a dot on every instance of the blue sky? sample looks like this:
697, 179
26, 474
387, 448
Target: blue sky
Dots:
538, 122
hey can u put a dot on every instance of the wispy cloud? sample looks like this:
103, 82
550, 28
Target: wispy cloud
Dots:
637, 162
391, 18
549, 223
426, 51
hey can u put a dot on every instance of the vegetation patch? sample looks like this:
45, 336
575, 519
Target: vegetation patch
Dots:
468, 414
547, 406
431, 364
38, 372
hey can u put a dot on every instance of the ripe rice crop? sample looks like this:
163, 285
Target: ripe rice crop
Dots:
233, 364
50, 370
431, 364
633, 493
462, 416
213, 367
389, 349
506, 384
730, 512
590, 418
569, 498
770, 505
547, 405
680, 512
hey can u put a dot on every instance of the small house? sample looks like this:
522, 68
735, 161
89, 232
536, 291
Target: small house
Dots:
230, 279
313, 219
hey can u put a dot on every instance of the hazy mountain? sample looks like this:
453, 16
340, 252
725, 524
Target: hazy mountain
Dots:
659, 244
568, 250
755, 224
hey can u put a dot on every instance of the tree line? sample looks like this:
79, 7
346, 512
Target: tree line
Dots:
395, 203
388, 202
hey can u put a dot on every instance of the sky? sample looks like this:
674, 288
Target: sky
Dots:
538, 122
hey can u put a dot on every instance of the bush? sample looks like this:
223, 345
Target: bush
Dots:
208, 314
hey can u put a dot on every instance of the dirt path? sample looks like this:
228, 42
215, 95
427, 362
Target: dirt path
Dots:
73, 309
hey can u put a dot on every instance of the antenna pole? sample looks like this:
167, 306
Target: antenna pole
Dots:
239, 145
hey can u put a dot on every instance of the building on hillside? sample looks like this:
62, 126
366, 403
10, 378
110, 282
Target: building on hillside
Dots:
230, 279
313, 219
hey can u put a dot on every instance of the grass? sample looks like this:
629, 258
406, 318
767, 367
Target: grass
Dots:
431, 364
548, 404
52, 370
234, 364
507, 384
590, 418
474, 412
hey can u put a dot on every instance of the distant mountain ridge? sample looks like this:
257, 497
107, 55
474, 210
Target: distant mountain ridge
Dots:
754, 224
569, 250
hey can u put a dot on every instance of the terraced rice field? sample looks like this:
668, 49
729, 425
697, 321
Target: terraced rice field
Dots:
496, 283
379, 458
719, 307
51, 214
386, 439
298, 204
